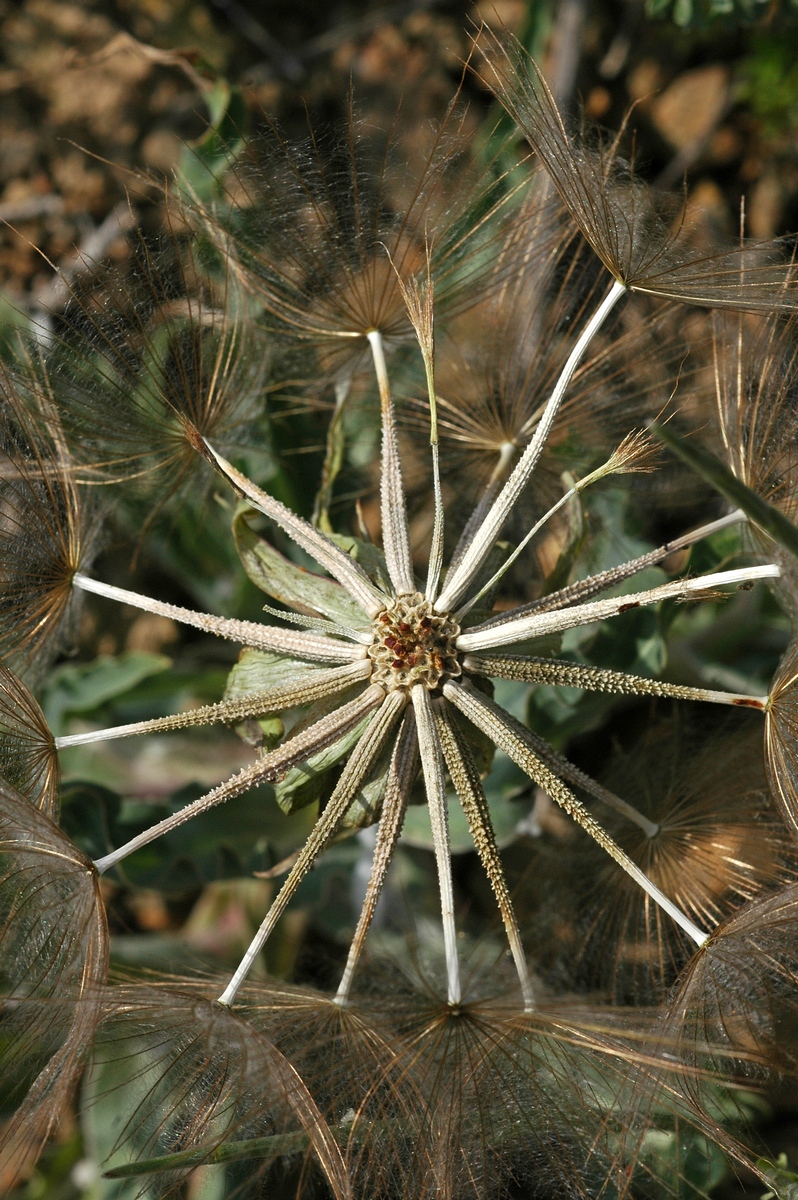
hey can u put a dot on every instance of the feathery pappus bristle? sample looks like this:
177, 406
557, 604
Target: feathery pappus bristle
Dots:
641, 237
50, 524
323, 234
28, 758
198, 1080
735, 1003
53, 964
143, 359
781, 738
714, 842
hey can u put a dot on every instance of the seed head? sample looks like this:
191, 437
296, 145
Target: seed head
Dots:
414, 644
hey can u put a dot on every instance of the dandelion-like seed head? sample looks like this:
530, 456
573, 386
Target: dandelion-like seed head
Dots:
390, 674
414, 644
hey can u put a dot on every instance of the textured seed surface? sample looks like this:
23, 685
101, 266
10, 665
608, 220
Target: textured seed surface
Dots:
413, 644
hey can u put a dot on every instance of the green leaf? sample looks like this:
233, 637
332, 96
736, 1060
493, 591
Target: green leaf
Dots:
652, 653
367, 804
90, 815
766, 516
246, 834
785, 1181
204, 161
259, 670
505, 816
770, 84
264, 1148
103, 1119
83, 687
371, 559
308, 782
687, 1162
701, 14
312, 779
13, 322
285, 581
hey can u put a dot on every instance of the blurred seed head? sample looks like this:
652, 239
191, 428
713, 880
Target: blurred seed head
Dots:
28, 758
50, 523
146, 353
755, 402
781, 738
718, 845
756, 389
188, 1077
496, 366
53, 962
324, 236
735, 1003
641, 237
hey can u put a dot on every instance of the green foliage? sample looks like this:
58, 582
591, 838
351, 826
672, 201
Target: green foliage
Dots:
770, 81
700, 14
248, 834
507, 810
13, 321
85, 687
686, 1162
284, 581
63, 1173
314, 779
785, 1180
203, 163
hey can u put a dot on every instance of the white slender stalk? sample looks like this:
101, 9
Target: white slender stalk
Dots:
424, 332
462, 578
571, 774
507, 452
249, 777
621, 460
510, 736
357, 768
435, 784
540, 624
401, 773
583, 589
264, 637
321, 624
468, 785
314, 686
508, 562
267, 769
326, 553
393, 511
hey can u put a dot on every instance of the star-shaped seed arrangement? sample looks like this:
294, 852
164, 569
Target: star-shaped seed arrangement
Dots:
410, 671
